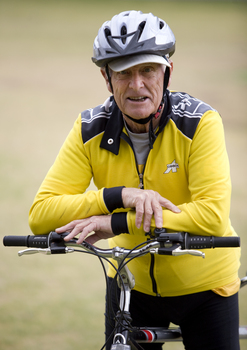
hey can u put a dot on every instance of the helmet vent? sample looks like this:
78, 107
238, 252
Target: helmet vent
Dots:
141, 27
123, 34
161, 25
107, 32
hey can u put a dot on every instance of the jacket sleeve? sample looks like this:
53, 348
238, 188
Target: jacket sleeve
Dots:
209, 184
62, 197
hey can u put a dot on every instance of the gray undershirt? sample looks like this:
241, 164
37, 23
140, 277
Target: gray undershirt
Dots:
141, 145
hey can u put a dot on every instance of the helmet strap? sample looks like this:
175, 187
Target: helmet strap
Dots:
152, 136
108, 77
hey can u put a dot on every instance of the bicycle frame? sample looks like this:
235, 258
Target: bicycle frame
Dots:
148, 334
163, 243
126, 283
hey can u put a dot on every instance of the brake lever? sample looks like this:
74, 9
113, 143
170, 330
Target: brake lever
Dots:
29, 251
45, 251
178, 251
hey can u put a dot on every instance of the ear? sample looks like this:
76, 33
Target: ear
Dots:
171, 70
108, 85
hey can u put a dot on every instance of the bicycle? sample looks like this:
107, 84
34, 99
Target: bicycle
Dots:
127, 337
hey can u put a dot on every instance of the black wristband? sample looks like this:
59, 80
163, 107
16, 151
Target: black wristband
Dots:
113, 198
119, 223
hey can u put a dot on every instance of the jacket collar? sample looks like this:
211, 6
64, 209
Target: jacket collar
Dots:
111, 137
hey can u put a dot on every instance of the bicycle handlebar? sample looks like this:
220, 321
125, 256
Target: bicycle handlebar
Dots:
164, 243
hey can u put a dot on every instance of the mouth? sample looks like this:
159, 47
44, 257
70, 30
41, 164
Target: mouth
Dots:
137, 98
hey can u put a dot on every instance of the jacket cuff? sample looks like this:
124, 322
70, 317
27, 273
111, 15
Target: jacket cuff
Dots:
113, 198
119, 223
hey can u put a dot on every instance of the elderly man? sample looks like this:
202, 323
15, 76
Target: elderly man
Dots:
158, 159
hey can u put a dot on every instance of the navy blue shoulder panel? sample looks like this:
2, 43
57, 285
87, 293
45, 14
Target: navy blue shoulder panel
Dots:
186, 112
93, 121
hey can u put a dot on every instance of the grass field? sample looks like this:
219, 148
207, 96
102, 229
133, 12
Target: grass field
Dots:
46, 79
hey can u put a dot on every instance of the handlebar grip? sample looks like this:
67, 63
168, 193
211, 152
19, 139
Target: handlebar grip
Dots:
26, 241
224, 242
15, 241
202, 242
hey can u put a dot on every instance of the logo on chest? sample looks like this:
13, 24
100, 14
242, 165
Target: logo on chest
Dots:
172, 167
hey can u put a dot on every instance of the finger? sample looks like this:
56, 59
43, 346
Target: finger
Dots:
74, 232
148, 213
139, 213
67, 227
85, 232
77, 228
169, 205
158, 215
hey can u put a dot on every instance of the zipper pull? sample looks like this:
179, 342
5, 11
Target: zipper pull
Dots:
141, 181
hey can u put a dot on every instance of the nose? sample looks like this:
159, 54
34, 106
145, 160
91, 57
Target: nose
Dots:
136, 81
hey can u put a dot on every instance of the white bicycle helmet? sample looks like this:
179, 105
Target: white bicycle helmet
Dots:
132, 33
130, 38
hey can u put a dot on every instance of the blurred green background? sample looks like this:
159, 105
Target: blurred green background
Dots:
46, 79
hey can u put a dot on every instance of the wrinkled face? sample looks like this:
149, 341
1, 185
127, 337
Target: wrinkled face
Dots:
138, 90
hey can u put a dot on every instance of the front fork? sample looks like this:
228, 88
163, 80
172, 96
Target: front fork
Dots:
126, 283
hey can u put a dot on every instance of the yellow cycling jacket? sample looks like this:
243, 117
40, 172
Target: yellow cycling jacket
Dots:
188, 165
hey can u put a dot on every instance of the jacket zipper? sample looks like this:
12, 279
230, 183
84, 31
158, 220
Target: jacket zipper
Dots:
141, 186
151, 271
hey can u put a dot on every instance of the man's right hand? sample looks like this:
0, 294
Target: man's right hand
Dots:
147, 203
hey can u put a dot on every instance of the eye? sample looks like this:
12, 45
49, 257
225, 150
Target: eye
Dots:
123, 74
148, 69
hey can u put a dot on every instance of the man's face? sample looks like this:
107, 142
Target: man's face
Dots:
138, 90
